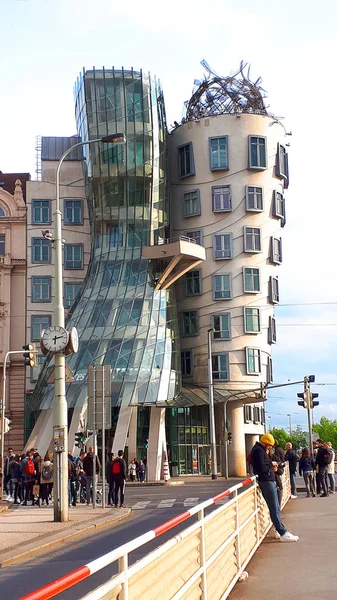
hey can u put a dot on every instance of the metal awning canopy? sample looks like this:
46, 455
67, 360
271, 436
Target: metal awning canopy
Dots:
192, 395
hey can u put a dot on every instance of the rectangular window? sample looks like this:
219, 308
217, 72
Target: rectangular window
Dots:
115, 235
281, 162
40, 211
251, 280
41, 250
189, 322
35, 371
274, 296
257, 154
222, 288
252, 239
113, 154
70, 292
73, 256
272, 331
187, 363
248, 413
270, 377
41, 289
276, 250
193, 283
252, 320
195, 234
221, 324
220, 366
218, 151
253, 361
221, 198
279, 205
2, 244
222, 246
186, 160
254, 198
38, 323
73, 212
192, 203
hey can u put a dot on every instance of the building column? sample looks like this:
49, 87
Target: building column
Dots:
237, 449
132, 437
157, 444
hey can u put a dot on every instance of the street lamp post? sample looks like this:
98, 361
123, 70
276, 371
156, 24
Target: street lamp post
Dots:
211, 406
289, 415
269, 425
60, 410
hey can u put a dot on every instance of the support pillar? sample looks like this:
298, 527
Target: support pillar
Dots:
237, 449
157, 444
132, 437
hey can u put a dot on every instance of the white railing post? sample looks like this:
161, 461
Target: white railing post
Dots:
123, 566
201, 518
237, 524
256, 507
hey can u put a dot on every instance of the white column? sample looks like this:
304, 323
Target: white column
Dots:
157, 443
237, 449
132, 437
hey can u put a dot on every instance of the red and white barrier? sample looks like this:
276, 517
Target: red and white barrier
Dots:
63, 583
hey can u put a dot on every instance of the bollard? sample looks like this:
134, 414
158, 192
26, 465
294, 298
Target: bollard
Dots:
166, 470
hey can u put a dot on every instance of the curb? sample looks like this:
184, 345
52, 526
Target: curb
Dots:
57, 538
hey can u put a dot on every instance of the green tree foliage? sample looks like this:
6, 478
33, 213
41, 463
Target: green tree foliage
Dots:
327, 431
297, 438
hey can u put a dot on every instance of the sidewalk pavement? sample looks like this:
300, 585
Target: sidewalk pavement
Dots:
303, 570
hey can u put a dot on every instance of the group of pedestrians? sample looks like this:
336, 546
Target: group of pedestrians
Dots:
318, 469
28, 477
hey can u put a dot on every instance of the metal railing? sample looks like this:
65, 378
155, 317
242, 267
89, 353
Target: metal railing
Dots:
179, 238
206, 559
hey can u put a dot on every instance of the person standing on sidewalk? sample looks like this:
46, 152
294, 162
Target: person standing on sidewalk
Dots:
8, 485
323, 459
88, 467
264, 468
331, 469
119, 477
307, 467
291, 458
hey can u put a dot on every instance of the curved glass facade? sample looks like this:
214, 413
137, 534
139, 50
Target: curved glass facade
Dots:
122, 321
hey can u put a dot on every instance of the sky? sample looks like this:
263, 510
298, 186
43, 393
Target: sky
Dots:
291, 45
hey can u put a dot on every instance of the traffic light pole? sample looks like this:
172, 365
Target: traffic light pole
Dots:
3, 414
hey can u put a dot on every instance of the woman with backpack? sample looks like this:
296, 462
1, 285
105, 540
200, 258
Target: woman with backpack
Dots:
46, 480
306, 467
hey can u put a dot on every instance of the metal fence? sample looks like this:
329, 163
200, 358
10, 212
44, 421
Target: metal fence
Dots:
202, 562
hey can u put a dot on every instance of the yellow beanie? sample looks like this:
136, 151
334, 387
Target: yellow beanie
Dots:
267, 438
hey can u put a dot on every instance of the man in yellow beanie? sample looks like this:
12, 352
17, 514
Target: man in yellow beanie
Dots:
265, 469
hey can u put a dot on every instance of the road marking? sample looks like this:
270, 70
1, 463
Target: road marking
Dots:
191, 501
167, 503
140, 505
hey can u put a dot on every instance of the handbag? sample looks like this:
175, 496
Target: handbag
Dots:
36, 490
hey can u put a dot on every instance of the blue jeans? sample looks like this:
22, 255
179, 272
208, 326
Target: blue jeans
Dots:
269, 492
89, 486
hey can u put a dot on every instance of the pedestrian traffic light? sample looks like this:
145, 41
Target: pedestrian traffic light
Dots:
29, 355
7, 425
79, 439
312, 400
229, 437
146, 445
304, 401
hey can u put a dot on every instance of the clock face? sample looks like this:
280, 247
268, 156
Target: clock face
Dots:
73, 337
55, 338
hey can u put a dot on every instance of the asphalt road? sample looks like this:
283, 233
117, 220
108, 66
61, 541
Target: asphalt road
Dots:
151, 506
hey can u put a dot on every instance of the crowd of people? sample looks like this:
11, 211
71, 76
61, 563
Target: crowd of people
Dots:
29, 477
268, 460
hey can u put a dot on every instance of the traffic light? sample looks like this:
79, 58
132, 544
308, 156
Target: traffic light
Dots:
7, 425
146, 445
311, 378
312, 400
229, 437
304, 401
29, 355
79, 439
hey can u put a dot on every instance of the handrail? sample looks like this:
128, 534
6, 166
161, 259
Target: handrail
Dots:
63, 583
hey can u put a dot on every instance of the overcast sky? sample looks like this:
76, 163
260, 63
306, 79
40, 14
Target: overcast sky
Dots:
290, 44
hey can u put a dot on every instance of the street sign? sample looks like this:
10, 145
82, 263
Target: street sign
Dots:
99, 397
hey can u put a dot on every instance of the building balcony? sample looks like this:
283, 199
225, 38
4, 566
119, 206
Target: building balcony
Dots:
173, 258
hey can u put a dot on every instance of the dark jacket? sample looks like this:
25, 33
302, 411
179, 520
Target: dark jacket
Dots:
14, 470
305, 465
122, 468
291, 457
88, 465
261, 463
8, 461
321, 453
279, 453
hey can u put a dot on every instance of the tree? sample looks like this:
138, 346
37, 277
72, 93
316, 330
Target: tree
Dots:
281, 436
326, 430
298, 437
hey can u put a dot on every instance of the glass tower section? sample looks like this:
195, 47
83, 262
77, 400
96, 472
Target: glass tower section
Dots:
122, 321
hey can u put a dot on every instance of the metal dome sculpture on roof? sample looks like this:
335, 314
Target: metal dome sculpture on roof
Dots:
225, 95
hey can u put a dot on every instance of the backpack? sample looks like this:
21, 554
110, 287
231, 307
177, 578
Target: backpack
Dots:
47, 473
327, 456
116, 467
28, 468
